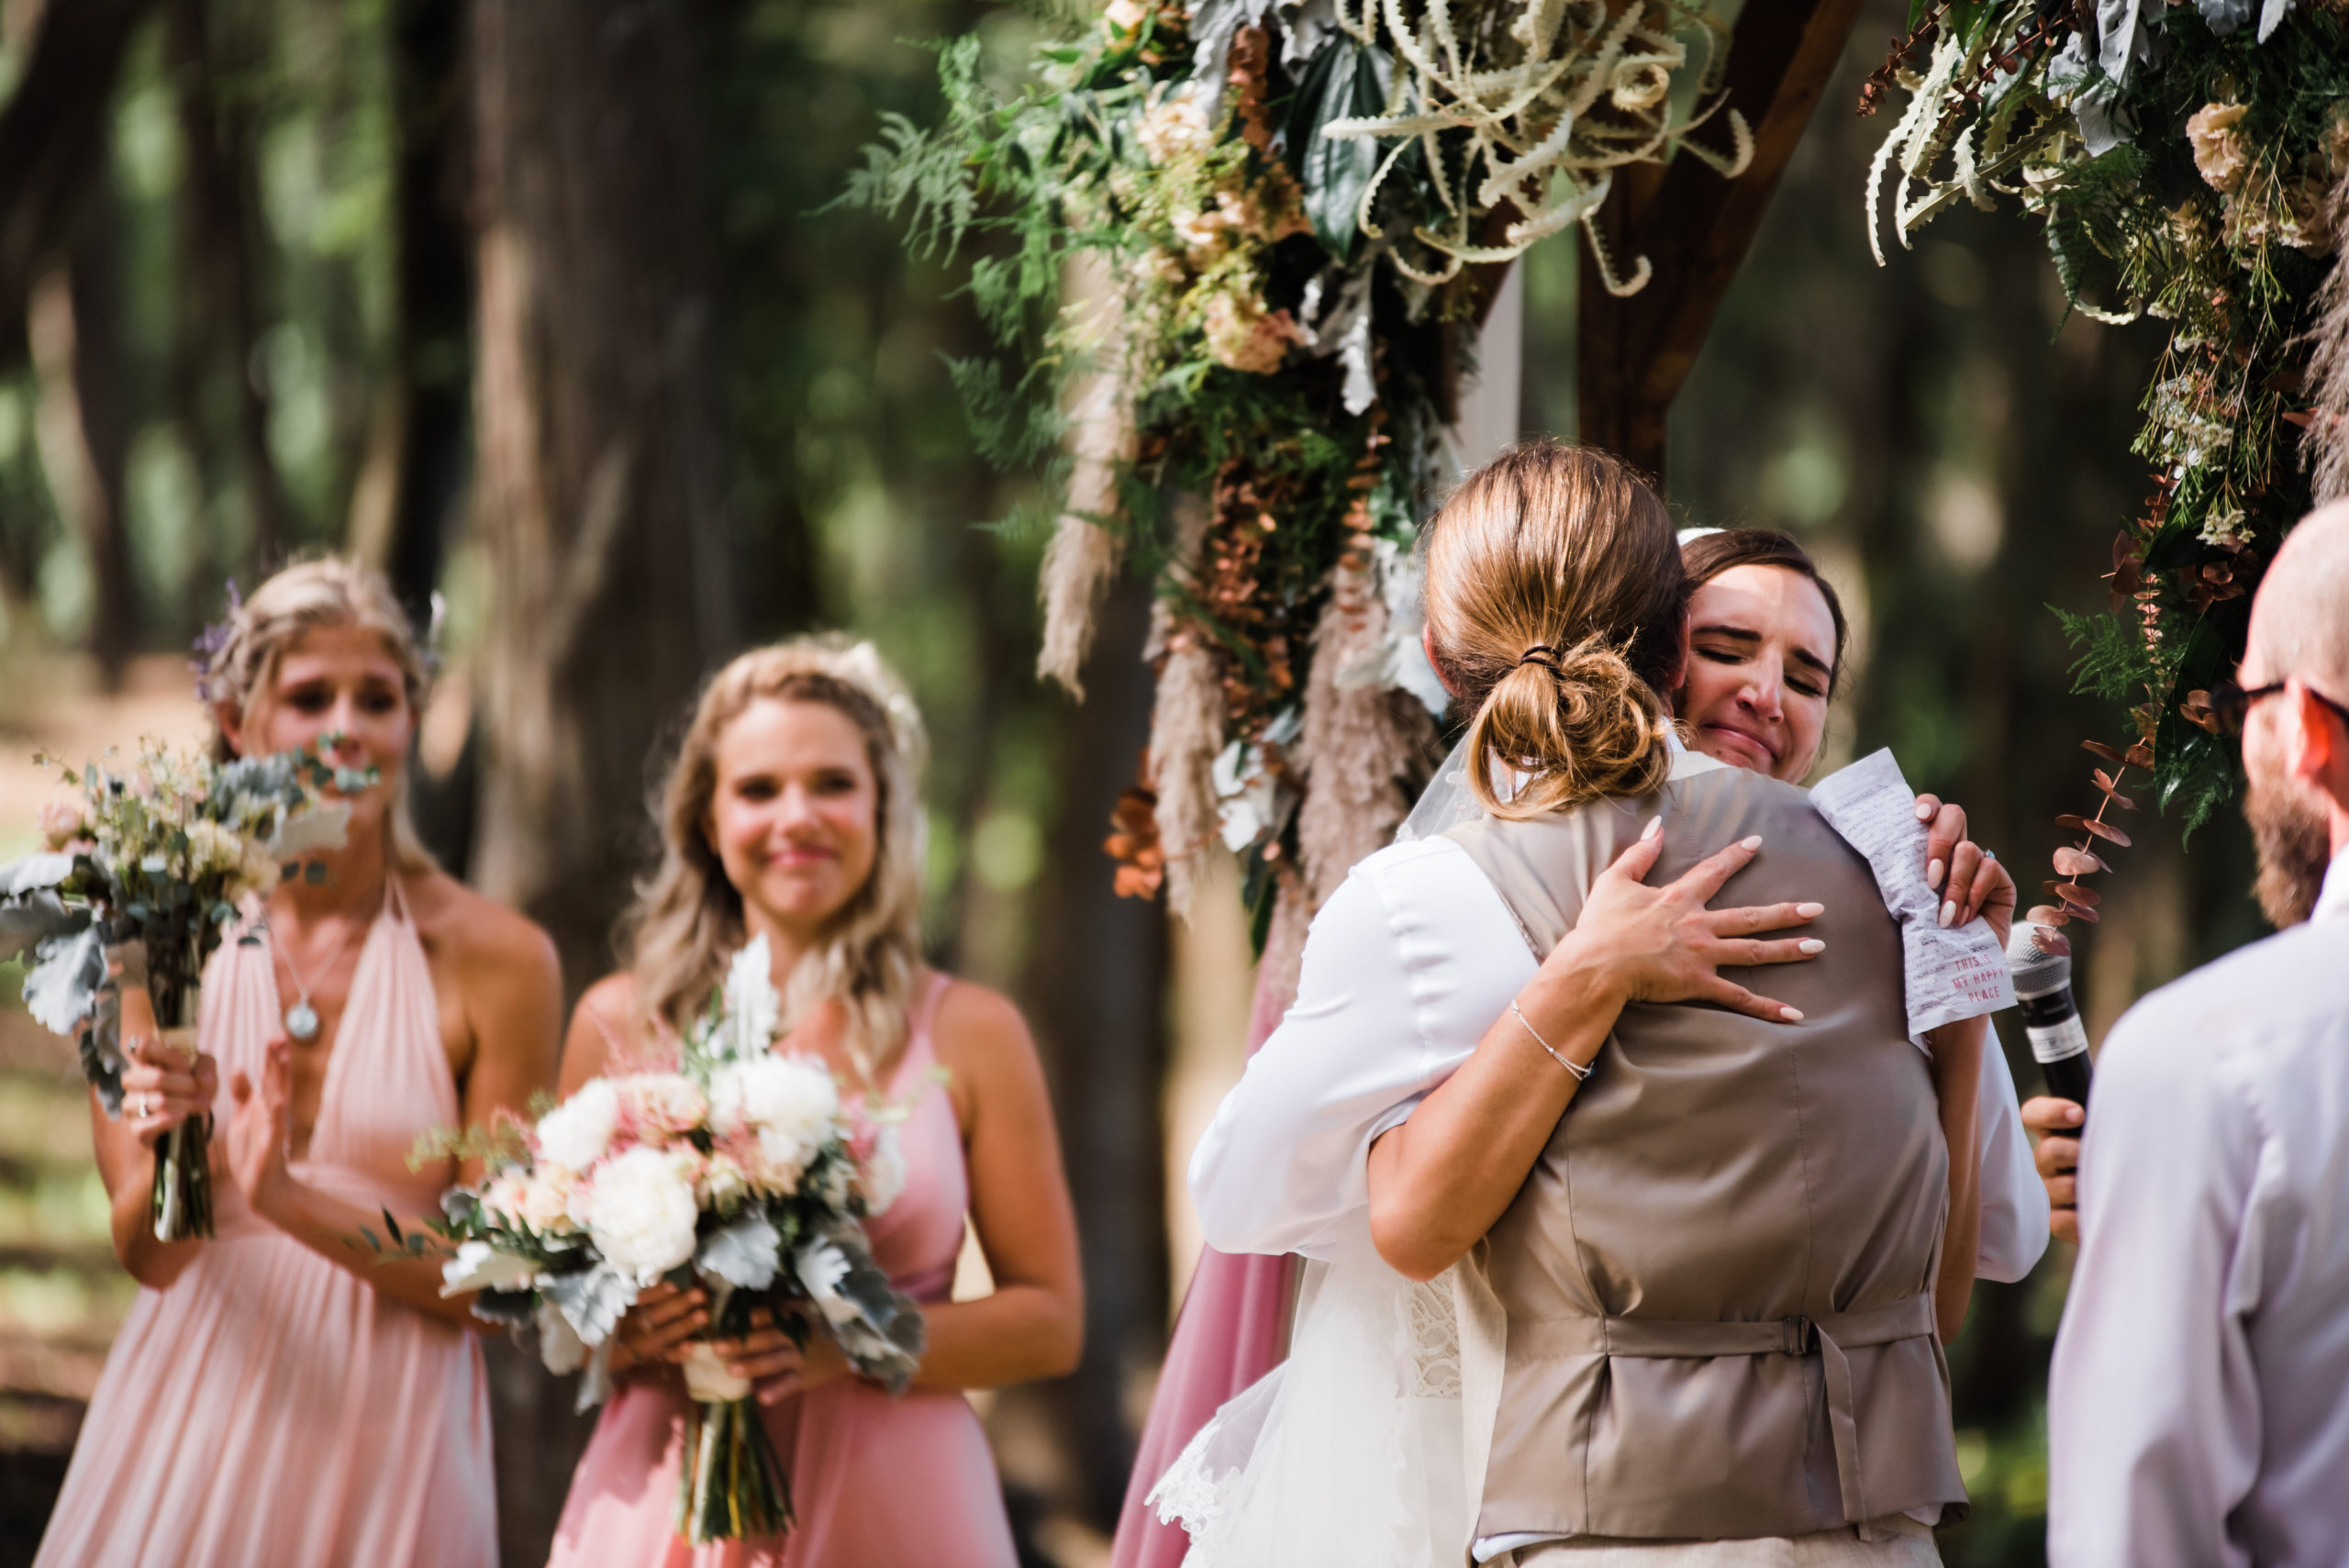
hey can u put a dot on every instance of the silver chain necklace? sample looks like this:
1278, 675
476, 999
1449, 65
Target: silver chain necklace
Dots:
302, 1019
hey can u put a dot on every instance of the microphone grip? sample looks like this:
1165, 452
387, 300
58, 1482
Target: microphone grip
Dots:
2059, 1043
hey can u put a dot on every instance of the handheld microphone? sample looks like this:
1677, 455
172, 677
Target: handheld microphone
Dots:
2059, 1042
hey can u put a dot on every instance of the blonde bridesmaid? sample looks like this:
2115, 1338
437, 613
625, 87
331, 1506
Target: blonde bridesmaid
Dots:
791, 814
279, 1394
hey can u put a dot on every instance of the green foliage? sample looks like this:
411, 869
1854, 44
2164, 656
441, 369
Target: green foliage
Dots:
2224, 239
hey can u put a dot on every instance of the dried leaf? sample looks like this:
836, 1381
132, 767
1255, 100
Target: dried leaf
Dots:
2104, 782
2073, 893
2070, 862
2077, 823
2109, 833
2141, 755
2045, 914
2048, 941
2080, 912
2101, 750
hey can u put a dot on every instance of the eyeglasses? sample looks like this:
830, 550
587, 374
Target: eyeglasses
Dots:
2230, 703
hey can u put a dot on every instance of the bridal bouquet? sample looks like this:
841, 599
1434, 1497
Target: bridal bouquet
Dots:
743, 1171
135, 885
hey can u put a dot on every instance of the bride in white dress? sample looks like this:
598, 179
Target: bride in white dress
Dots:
1351, 1451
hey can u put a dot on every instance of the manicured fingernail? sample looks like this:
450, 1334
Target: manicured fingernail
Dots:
1810, 911
1792, 1015
1655, 826
1924, 812
1813, 944
1753, 843
1949, 912
1932, 873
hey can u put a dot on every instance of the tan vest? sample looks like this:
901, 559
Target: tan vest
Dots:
1708, 1314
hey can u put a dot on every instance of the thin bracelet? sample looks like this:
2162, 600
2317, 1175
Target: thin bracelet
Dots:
1582, 1075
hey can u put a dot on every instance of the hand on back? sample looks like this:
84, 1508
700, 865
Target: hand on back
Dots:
1662, 944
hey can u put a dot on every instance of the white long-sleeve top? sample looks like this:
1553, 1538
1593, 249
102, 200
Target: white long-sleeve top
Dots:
2199, 1405
1407, 966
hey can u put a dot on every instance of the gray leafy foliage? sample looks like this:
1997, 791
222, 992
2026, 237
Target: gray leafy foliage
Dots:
879, 1328
592, 1300
101, 1049
742, 1254
35, 873
62, 988
33, 916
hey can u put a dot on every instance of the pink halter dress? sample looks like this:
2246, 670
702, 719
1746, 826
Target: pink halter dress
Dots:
269, 1406
878, 1482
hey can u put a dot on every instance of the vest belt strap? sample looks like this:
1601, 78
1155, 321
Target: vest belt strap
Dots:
1911, 1318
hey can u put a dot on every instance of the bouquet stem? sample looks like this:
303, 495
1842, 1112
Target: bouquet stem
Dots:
731, 1485
181, 1202
182, 1195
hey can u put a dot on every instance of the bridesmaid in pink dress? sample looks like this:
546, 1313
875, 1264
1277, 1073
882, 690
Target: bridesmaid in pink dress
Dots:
791, 814
279, 1394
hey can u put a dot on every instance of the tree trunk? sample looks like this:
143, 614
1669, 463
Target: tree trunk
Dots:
435, 289
1098, 989
597, 489
221, 309
53, 133
597, 496
77, 357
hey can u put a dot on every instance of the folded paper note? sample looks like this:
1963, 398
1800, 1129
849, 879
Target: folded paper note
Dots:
1952, 973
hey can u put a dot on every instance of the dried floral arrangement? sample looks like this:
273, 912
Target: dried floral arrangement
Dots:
1235, 258
2185, 160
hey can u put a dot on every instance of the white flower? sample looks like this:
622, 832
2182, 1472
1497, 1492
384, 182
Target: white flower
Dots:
480, 1266
212, 848
640, 1212
669, 1103
724, 1182
882, 1176
1173, 125
574, 1134
787, 1104
544, 1201
2220, 152
321, 825
753, 1011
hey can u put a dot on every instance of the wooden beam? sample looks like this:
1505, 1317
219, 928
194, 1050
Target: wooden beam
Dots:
1694, 229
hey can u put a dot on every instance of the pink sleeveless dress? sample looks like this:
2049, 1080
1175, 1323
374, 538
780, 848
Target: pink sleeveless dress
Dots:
269, 1406
878, 1482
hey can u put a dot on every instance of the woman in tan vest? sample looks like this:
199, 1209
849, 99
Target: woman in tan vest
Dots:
1732, 1175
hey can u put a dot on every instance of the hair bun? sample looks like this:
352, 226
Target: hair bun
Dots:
1577, 723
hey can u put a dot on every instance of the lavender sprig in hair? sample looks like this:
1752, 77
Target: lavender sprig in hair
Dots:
208, 644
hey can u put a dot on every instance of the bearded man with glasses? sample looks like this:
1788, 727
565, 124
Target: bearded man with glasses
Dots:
2195, 1408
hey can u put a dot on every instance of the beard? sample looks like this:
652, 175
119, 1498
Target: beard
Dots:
2294, 847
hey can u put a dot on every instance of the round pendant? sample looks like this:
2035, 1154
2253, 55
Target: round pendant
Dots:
302, 1022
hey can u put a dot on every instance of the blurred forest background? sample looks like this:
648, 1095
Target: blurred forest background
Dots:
533, 305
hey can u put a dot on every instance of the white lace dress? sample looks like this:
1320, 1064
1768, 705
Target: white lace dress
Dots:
1349, 1451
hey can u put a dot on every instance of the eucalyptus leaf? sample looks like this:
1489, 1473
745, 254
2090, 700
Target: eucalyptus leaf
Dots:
744, 1254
